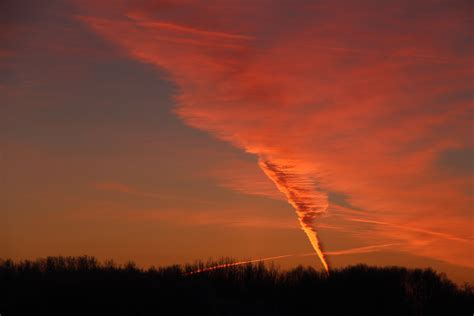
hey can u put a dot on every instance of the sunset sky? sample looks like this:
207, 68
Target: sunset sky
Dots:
173, 130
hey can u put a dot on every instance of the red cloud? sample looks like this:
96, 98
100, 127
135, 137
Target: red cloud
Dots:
359, 99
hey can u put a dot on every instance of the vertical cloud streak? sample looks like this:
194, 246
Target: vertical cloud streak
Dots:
302, 195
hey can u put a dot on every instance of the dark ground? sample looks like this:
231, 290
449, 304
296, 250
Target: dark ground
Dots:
83, 286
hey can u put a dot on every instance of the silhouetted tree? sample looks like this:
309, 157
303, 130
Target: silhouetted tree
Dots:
84, 286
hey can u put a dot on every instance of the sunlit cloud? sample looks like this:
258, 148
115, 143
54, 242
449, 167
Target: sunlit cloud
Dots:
359, 99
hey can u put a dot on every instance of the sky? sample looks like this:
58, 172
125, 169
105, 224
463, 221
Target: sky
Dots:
170, 131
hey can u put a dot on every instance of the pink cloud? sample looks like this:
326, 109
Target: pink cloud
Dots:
359, 99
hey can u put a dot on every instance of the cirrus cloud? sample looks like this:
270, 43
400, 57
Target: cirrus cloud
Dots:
358, 98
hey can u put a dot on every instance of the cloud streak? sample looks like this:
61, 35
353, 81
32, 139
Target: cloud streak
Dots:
308, 203
126, 189
359, 250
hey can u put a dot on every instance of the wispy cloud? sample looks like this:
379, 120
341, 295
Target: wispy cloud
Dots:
231, 218
245, 177
129, 190
364, 109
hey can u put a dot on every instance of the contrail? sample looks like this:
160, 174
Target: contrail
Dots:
410, 228
365, 249
226, 265
301, 194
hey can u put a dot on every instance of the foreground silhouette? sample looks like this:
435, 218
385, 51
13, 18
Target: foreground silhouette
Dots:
83, 286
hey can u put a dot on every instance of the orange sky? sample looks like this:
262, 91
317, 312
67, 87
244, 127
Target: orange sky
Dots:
168, 131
